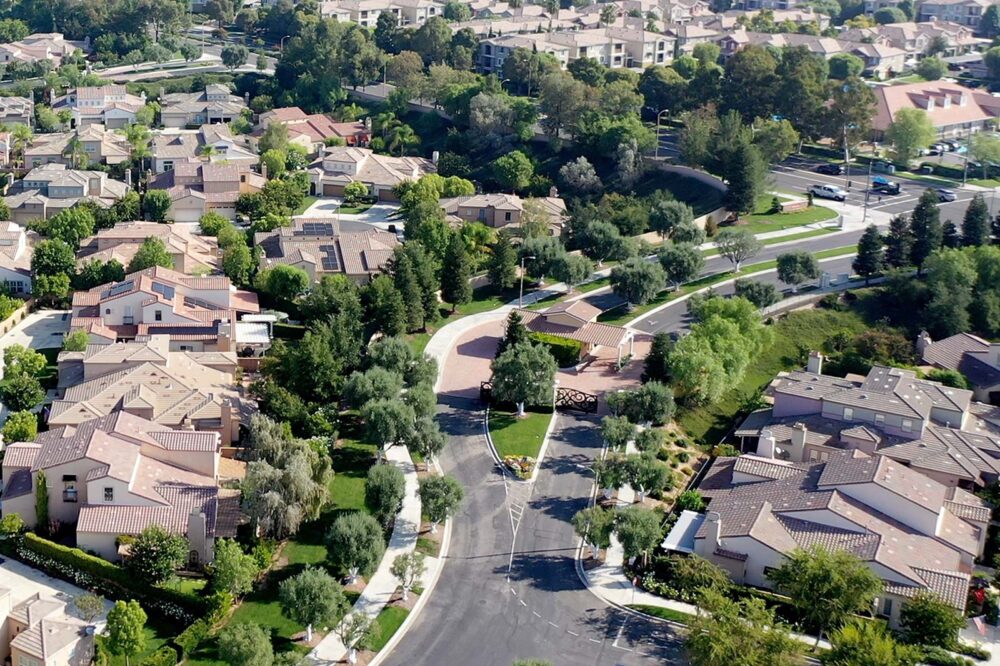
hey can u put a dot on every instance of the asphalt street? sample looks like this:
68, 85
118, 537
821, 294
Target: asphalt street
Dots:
506, 595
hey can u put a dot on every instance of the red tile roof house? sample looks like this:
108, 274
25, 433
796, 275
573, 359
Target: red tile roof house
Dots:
119, 474
40, 630
191, 253
310, 131
197, 188
952, 108
198, 313
576, 320
341, 165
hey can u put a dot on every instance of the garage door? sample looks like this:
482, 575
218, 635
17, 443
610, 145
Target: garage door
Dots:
333, 190
387, 195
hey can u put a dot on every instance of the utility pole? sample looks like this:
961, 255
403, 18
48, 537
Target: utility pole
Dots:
868, 185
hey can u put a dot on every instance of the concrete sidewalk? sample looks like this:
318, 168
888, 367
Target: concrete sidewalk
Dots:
382, 585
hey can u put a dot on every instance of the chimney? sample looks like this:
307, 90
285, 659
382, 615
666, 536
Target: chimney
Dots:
225, 337
924, 342
435, 156
246, 98
713, 535
554, 192
815, 363
765, 444
128, 178
142, 96
94, 186
994, 354
197, 535
263, 169
798, 448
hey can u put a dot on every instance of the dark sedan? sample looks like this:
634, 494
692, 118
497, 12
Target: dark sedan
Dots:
831, 169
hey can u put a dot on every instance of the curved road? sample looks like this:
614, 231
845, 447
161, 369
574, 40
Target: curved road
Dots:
504, 595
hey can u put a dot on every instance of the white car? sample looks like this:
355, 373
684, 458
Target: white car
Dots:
828, 192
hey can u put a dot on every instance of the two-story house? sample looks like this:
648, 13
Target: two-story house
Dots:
39, 630
312, 131
16, 249
214, 105
196, 188
208, 143
198, 313
190, 253
17, 111
50, 188
341, 165
500, 211
50, 47
119, 474
91, 144
366, 12
964, 12
110, 105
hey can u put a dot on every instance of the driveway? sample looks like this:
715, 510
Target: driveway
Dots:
469, 360
44, 329
24, 581
380, 215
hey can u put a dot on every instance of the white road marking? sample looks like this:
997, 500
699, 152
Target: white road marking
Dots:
619, 634
521, 601
554, 624
593, 640
513, 591
572, 633
535, 614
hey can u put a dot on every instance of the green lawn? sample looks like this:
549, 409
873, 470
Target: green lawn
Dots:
662, 613
187, 584
804, 330
418, 341
49, 378
428, 547
593, 286
762, 220
988, 182
386, 624
620, 316
354, 210
308, 201
156, 634
518, 437
812, 233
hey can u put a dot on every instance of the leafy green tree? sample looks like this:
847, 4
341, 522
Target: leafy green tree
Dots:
234, 55
50, 288
594, 525
245, 644
408, 569
747, 179
984, 147
639, 531
513, 171
657, 363
355, 544
794, 268
274, 162
283, 283
21, 392
737, 245
20, 427
384, 491
156, 205
889, 15
617, 431
925, 228
126, 622
910, 132
693, 575
652, 402
232, 570
572, 269
237, 263
666, 216
71, 225
387, 422
745, 632
76, 341
89, 605
21, 360
845, 65
374, 383
384, 306
681, 262
860, 643
989, 24
976, 223
53, 257
950, 278
524, 373
502, 267
931, 68
898, 242
312, 597
514, 333
426, 439
440, 497
155, 555
928, 620
151, 253
561, 101
825, 586
870, 258
637, 281
690, 500
761, 294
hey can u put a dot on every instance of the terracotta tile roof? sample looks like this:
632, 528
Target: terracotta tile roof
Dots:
594, 333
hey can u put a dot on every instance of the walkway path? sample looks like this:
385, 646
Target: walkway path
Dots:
382, 585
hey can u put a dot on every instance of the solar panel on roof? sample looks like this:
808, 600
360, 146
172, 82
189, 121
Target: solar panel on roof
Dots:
165, 290
120, 288
316, 229
329, 258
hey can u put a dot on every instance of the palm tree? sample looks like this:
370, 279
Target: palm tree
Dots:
402, 137
22, 138
138, 137
207, 151
75, 151
385, 122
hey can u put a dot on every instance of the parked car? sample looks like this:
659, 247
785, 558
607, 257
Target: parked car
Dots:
831, 169
946, 195
939, 147
885, 186
828, 192
881, 166
950, 145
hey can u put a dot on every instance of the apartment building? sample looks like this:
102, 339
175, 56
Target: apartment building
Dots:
198, 313
328, 247
916, 38
952, 108
50, 188
341, 165
119, 474
964, 12
196, 188
191, 253
881, 60
208, 143
213, 105
366, 12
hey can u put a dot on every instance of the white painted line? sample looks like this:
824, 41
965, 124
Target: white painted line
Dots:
513, 591
572, 633
554, 624
593, 640
521, 601
535, 614
619, 634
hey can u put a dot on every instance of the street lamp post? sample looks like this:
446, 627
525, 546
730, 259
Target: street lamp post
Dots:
520, 295
659, 114
281, 43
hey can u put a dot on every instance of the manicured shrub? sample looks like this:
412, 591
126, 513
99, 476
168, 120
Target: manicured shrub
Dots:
165, 656
566, 352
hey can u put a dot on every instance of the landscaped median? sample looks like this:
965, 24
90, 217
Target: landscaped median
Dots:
517, 440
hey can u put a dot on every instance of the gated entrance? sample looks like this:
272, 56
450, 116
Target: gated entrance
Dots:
566, 398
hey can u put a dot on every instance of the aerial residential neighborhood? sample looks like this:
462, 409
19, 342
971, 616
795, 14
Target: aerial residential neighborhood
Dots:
500, 332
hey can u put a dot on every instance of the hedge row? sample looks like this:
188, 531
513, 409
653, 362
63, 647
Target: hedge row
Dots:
565, 351
90, 572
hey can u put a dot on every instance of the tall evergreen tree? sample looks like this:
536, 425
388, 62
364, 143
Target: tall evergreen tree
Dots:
456, 273
502, 268
870, 259
404, 278
898, 242
384, 306
925, 225
976, 223
514, 333
747, 178
950, 236
425, 271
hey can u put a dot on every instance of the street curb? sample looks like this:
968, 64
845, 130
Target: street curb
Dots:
423, 599
632, 322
